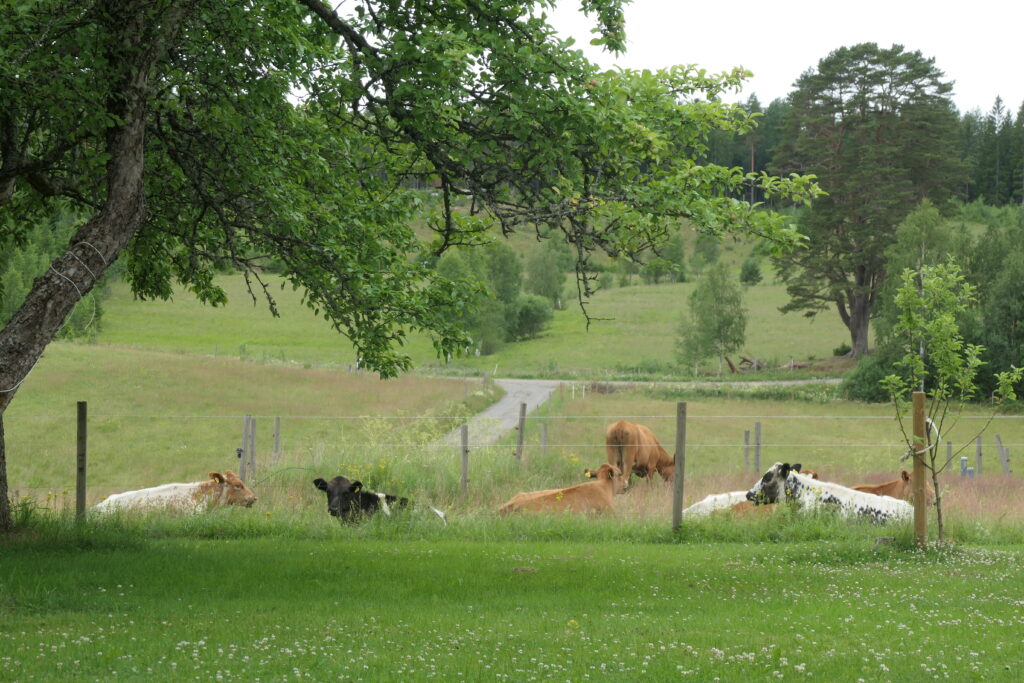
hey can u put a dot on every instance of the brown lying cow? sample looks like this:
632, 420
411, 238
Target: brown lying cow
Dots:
898, 488
591, 496
633, 448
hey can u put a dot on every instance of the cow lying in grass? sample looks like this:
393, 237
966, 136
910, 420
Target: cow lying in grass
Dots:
634, 449
591, 496
784, 482
901, 488
349, 502
733, 500
218, 490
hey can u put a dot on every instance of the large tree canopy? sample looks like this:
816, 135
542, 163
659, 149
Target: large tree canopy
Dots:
193, 134
879, 130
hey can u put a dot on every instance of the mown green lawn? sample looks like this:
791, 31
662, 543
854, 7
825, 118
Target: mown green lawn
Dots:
326, 602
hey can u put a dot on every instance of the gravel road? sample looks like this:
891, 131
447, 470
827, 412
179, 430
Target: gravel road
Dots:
502, 417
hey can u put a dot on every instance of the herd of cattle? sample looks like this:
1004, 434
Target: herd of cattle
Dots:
631, 449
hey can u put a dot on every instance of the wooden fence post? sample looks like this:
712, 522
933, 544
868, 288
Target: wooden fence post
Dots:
977, 456
1004, 455
680, 466
963, 466
521, 428
757, 447
920, 441
80, 464
465, 458
252, 448
746, 450
277, 439
243, 452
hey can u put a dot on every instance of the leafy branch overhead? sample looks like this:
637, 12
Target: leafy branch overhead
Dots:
287, 130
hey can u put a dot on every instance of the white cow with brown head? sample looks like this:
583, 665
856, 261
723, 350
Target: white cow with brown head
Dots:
218, 490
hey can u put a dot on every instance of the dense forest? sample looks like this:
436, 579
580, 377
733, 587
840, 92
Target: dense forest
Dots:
990, 145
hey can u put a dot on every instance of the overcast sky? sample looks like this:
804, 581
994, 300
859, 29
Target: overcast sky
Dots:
978, 44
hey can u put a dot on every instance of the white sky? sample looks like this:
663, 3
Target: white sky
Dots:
978, 44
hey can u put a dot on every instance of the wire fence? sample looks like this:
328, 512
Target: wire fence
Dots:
131, 451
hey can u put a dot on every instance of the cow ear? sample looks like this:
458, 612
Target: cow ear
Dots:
784, 470
588, 473
356, 486
905, 475
320, 484
796, 467
217, 477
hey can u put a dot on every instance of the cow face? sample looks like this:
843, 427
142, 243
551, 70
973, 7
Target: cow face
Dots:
233, 490
342, 495
607, 471
772, 486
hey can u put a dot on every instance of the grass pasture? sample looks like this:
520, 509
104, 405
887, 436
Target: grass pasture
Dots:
610, 348
240, 596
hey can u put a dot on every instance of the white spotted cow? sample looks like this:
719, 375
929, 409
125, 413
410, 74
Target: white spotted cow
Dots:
713, 503
733, 500
784, 483
218, 490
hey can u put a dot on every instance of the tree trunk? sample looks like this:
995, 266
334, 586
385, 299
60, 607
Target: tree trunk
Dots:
96, 244
858, 322
6, 523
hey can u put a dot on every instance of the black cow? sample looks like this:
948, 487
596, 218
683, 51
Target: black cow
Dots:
347, 500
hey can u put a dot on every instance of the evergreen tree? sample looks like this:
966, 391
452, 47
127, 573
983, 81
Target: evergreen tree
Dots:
879, 130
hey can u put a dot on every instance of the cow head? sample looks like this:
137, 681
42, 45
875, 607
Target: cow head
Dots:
772, 486
606, 472
342, 495
907, 489
233, 490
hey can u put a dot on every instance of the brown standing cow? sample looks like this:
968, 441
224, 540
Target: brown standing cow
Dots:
633, 448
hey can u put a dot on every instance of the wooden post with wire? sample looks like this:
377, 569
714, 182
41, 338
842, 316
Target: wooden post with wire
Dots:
465, 457
920, 445
521, 429
680, 466
80, 464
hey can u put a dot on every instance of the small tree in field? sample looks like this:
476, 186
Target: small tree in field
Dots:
717, 322
937, 361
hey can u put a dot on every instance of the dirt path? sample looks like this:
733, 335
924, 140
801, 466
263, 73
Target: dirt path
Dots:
503, 416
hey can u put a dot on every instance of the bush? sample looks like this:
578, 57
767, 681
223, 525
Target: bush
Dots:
750, 272
842, 350
533, 312
863, 383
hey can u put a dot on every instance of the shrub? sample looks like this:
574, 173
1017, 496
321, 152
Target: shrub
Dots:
842, 350
750, 272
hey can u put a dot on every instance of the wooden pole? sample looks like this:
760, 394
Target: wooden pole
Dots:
521, 428
1004, 455
277, 438
680, 466
252, 448
977, 455
746, 450
465, 458
243, 452
82, 443
920, 472
757, 447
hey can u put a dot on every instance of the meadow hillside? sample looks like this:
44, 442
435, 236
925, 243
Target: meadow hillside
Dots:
633, 333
